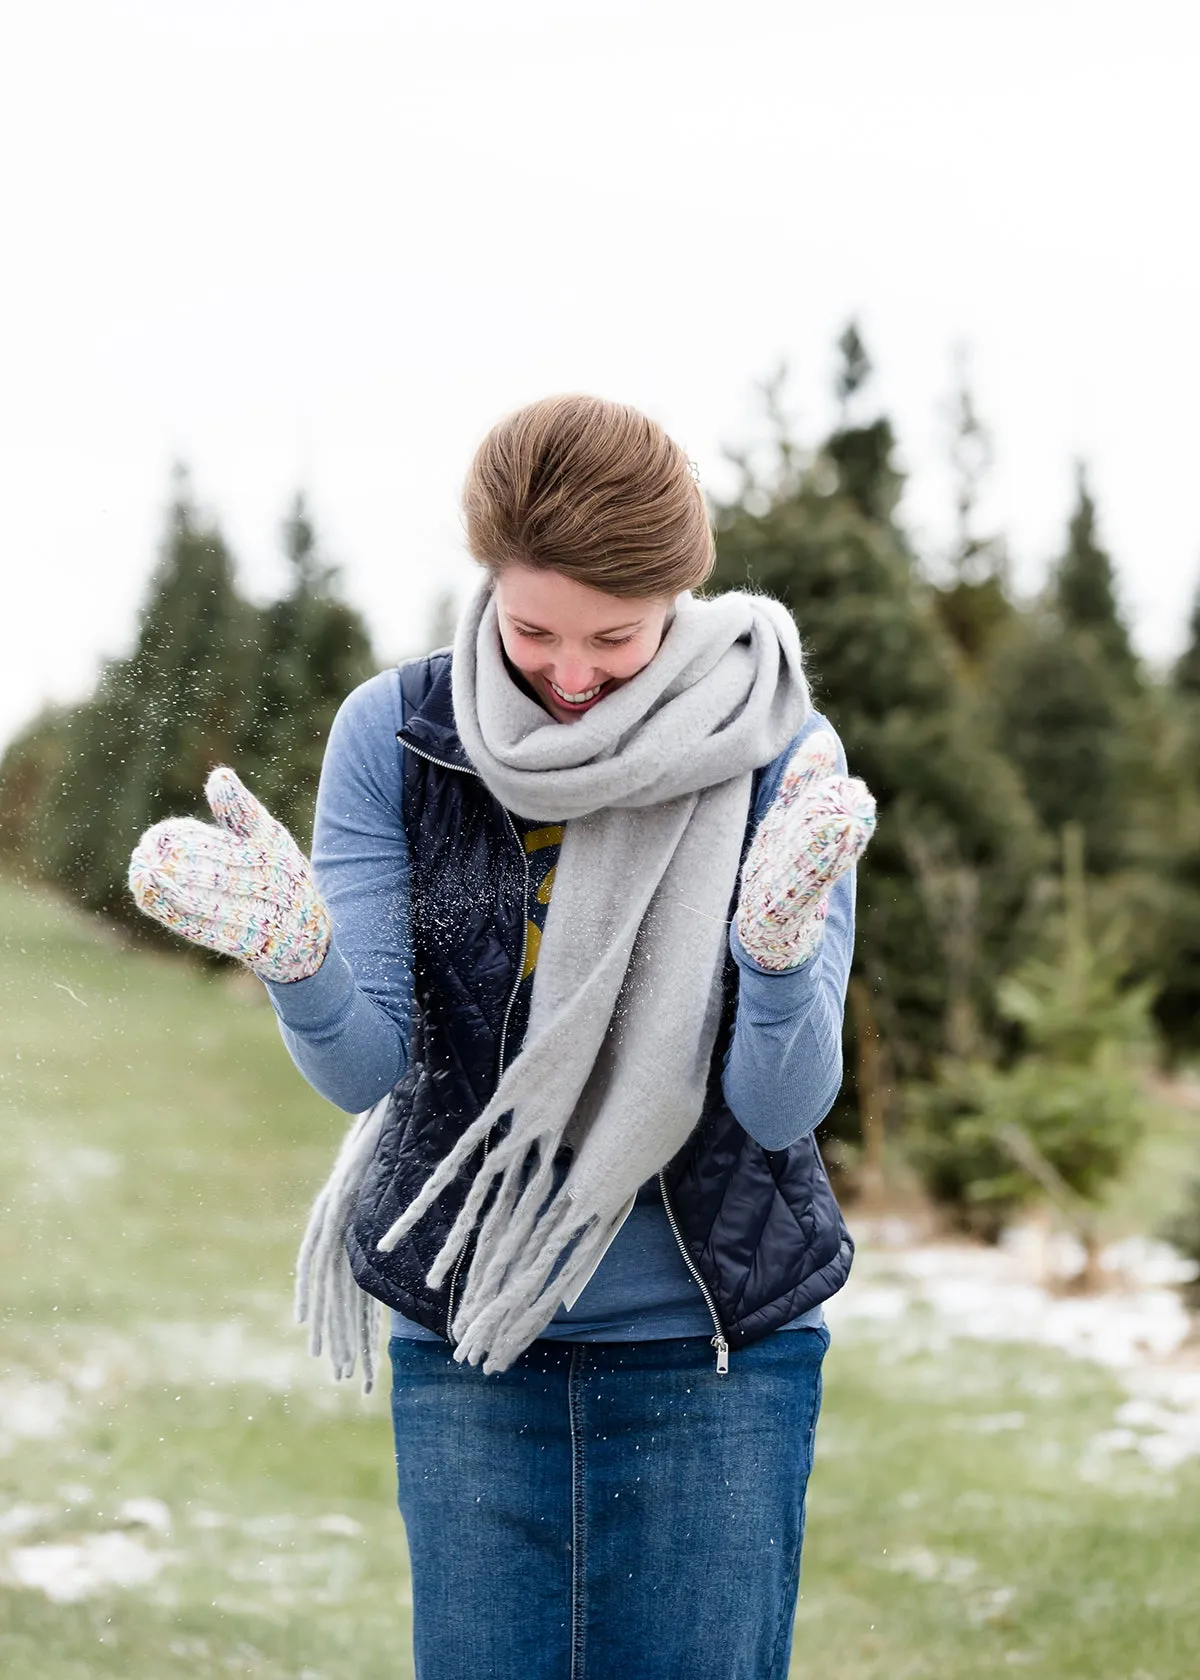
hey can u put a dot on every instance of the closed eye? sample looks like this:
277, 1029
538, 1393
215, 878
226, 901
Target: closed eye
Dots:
529, 635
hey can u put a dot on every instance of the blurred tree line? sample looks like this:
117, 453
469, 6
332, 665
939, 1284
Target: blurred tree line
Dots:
1029, 911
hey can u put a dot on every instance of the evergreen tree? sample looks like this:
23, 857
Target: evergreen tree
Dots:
1071, 709
1171, 923
1058, 717
971, 457
1175, 958
311, 649
854, 368
973, 602
1063, 1116
1085, 587
211, 680
1185, 677
824, 541
161, 720
30, 768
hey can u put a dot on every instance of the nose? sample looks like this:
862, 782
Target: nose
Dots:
573, 676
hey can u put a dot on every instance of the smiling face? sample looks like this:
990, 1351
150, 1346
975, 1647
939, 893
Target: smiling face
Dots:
573, 645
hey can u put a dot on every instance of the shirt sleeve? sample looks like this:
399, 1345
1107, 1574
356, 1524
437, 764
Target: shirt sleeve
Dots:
348, 1026
784, 1065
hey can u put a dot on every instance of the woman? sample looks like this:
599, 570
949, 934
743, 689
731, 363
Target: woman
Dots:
576, 938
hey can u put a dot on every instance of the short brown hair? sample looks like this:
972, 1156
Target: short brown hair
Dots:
593, 490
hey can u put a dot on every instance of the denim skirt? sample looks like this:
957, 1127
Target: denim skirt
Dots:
606, 1510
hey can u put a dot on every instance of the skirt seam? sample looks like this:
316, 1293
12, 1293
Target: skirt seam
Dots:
578, 1513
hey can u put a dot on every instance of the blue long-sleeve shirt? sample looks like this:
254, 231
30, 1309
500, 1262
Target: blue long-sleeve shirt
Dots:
347, 1027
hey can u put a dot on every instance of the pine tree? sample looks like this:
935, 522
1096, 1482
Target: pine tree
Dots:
971, 456
311, 650
211, 680
973, 602
1085, 587
856, 459
1185, 677
824, 541
30, 768
161, 720
1058, 716
1061, 1118
1172, 921
1069, 704
854, 368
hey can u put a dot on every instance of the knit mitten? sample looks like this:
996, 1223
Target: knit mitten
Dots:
815, 829
242, 888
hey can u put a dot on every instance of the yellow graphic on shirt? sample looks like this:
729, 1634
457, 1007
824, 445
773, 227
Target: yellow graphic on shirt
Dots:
539, 840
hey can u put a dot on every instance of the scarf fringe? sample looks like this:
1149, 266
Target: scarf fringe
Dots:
460, 1231
500, 1331
522, 1217
515, 1291
341, 1317
439, 1178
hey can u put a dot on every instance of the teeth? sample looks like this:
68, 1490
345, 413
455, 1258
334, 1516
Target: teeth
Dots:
575, 699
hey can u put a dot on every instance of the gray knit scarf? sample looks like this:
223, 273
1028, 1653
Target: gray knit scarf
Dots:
653, 785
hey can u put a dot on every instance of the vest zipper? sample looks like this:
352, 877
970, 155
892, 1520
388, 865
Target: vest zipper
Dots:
469, 770
512, 996
718, 1341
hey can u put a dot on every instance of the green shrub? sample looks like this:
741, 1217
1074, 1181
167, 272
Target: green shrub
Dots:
1062, 1118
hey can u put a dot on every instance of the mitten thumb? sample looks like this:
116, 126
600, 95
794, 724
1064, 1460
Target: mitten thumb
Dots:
236, 808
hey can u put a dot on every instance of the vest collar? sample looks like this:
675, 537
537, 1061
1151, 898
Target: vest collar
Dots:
430, 728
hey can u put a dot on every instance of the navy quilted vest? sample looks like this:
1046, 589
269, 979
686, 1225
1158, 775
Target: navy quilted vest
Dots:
760, 1229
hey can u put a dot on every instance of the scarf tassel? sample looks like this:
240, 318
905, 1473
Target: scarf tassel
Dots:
522, 1302
340, 1316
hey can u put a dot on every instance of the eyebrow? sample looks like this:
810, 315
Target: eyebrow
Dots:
609, 630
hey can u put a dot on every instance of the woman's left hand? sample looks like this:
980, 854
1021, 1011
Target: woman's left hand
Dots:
816, 829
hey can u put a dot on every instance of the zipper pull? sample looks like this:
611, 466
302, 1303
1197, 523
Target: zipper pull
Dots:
722, 1347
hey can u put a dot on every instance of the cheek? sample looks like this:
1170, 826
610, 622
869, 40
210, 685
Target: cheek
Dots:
626, 662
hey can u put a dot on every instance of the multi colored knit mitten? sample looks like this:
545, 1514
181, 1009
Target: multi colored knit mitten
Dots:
243, 888
816, 828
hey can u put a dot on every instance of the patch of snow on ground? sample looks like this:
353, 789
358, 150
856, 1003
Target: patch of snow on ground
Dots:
19, 1519
233, 1351
207, 1519
1149, 1261
927, 1566
71, 1171
336, 1523
31, 1410
145, 1512
69, 1570
1138, 1332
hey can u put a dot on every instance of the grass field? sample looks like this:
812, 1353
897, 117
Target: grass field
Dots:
184, 1493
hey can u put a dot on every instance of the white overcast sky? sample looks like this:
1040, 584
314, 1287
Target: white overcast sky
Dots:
328, 242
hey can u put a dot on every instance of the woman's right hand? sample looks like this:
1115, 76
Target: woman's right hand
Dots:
243, 888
